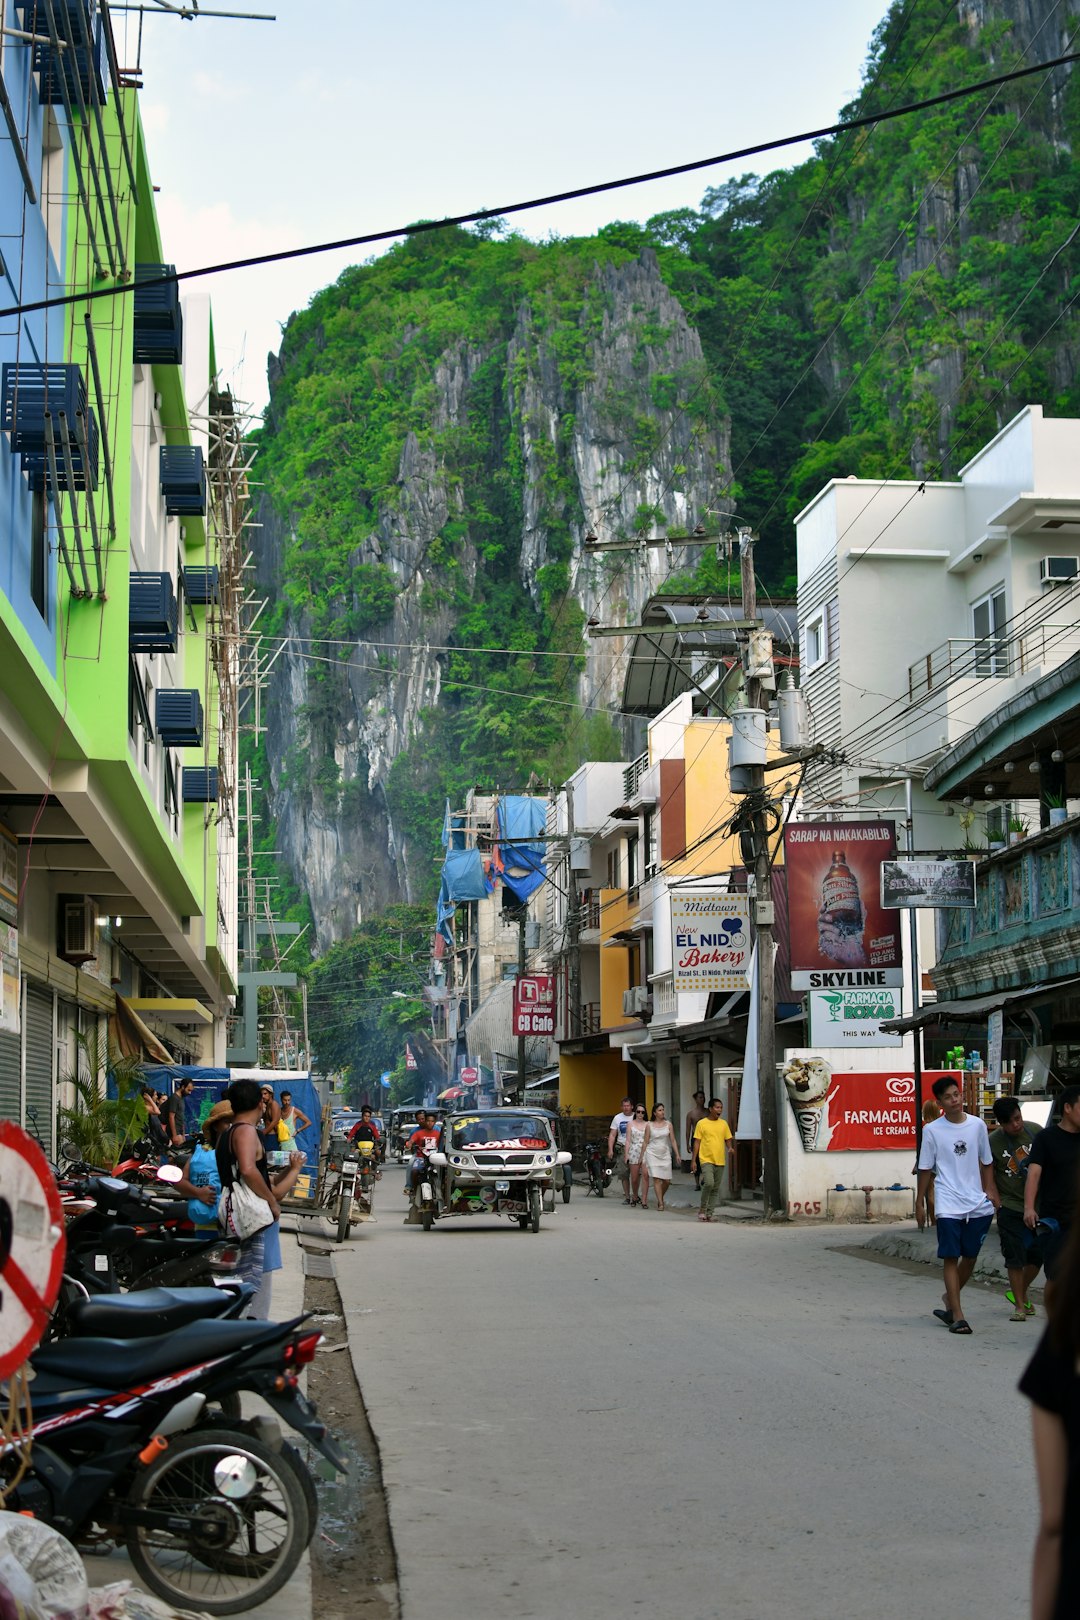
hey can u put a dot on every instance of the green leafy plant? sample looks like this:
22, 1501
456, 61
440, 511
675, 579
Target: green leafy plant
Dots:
95, 1127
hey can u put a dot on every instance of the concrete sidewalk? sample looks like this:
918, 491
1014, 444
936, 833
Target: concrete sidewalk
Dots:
681, 1195
904, 1241
293, 1602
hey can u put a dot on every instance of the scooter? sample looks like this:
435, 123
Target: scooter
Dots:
597, 1169
214, 1516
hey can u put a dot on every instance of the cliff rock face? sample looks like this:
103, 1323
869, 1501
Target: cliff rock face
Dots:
614, 432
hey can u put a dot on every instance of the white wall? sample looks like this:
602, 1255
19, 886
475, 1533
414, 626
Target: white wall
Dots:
810, 1179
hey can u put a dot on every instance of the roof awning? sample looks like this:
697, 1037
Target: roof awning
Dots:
973, 1008
173, 1009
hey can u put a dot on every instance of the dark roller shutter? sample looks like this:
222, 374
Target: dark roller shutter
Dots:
39, 1060
10, 1048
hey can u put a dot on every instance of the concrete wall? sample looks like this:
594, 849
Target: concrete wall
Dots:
810, 1179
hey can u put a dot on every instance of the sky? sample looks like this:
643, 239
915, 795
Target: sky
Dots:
349, 116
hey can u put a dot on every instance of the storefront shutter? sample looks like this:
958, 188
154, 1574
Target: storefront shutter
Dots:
9, 1076
40, 1060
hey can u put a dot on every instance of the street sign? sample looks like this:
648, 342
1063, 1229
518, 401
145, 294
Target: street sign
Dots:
710, 940
853, 1017
534, 1004
32, 1245
908, 884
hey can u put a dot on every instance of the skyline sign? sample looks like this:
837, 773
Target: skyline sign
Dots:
840, 936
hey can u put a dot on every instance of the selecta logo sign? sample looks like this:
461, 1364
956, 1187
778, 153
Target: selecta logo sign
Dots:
710, 941
846, 1018
902, 1087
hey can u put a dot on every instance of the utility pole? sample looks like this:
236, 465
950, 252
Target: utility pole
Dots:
523, 918
756, 698
573, 928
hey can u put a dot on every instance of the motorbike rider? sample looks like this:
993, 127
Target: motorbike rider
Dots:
366, 1129
423, 1141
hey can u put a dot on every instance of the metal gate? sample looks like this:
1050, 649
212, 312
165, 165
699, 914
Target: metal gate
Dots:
40, 1061
10, 1063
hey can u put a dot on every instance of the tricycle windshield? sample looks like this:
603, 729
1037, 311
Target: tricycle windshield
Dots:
522, 1130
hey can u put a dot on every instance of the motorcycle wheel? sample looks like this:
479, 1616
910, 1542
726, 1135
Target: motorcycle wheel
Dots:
297, 1461
427, 1217
243, 1548
534, 1208
566, 1192
344, 1208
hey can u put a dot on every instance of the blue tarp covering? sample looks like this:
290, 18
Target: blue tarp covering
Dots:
212, 1084
521, 819
464, 877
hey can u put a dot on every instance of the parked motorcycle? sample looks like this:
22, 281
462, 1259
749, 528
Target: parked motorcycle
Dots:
214, 1516
128, 1237
597, 1169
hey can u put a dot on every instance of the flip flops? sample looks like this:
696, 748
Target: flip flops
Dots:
1028, 1308
1019, 1315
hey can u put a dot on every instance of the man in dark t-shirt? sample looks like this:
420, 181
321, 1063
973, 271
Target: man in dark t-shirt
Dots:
175, 1121
1053, 1168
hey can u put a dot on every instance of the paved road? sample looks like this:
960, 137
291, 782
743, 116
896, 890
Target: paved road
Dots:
637, 1413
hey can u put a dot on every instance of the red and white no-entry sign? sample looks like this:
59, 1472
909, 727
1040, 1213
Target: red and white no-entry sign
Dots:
32, 1245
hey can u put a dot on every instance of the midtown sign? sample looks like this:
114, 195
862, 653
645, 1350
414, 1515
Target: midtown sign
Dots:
853, 1017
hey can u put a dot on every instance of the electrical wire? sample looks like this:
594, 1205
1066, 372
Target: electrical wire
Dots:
477, 216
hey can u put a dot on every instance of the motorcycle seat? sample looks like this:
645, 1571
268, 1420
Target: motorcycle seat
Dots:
141, 1315
116, 1363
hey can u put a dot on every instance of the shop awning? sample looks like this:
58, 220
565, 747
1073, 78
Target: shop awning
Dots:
975, 1008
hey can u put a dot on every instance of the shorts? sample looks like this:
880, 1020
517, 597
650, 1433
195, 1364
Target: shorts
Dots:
960, 1237
1020, 1246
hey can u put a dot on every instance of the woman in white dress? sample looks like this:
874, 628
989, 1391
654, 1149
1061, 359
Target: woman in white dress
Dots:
660, 1149
635, 1148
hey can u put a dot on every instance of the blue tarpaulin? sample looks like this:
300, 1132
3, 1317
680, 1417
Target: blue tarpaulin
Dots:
521, 820
464, 876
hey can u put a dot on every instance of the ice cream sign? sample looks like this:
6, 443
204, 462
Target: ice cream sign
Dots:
710, 941
839, 1113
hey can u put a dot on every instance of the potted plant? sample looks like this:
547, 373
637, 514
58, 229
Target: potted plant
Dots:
1058, 808
1018, 829
95, 1127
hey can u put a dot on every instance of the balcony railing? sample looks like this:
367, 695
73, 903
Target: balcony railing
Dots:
632, 777
993, 657
665, 1000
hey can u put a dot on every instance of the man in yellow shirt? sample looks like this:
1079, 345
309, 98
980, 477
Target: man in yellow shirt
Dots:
713, 1143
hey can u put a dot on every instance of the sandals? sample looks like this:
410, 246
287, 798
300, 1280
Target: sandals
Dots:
702, 1215
959, 1326
1019, 1315
1028, 1307
945, 1316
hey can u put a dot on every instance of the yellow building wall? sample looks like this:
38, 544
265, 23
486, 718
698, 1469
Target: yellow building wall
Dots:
616, 914
592, 1082
710, 803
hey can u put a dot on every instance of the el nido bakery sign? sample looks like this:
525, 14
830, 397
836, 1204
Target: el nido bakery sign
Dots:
841, 937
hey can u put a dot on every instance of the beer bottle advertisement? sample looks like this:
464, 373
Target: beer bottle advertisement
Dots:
840, 935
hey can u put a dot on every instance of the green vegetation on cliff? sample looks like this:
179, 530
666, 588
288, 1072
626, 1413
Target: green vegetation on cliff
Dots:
878, 310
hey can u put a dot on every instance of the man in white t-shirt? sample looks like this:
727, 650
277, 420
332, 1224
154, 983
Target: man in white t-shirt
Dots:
956, 1153
616, 1144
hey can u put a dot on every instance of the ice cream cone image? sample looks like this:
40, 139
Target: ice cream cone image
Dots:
808, 1081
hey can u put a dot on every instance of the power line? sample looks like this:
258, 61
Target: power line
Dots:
477, 216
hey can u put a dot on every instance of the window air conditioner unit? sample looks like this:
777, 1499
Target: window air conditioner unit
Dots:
77, 930
636, 1002
1058, 570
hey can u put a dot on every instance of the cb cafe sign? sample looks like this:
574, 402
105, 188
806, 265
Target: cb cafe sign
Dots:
853, 1017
